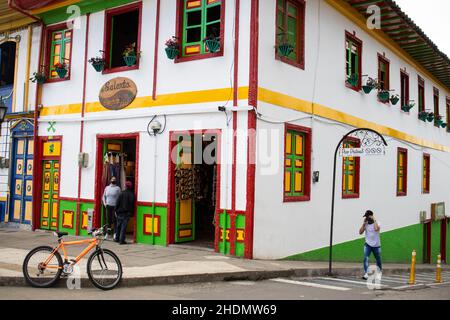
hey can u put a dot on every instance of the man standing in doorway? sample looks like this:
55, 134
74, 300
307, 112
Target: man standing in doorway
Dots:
372, 229
110, 196
124, 210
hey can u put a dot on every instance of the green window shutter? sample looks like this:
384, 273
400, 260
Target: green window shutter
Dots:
295, 165
60, 50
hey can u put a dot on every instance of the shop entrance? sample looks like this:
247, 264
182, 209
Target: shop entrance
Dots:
116, 157
193, 179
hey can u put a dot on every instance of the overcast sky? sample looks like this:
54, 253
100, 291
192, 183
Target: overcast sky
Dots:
432, 16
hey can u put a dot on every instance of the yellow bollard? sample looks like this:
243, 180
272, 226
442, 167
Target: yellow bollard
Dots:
412, 274
438, 269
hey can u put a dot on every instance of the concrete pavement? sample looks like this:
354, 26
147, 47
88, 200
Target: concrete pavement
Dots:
155, 265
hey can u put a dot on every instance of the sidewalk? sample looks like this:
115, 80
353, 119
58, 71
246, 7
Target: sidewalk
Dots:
155, 265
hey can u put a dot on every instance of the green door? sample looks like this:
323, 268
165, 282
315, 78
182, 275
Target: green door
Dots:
50, 195
184, 202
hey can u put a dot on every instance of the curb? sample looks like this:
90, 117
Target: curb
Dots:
221, 276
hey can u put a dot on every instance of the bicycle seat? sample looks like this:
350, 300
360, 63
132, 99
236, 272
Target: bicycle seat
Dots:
61, 234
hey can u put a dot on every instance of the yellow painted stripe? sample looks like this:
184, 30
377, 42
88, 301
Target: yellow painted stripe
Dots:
2, 199
285, 101
203, 96
353, 15
54, 6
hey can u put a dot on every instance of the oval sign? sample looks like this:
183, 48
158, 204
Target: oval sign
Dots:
118, 93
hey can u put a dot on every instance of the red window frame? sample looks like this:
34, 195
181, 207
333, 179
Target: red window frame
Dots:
404, 191
179, 34
404, 88
48, 49
354, 195
426, 171
300, 63
359, 43
435, 104
447, 107
420, 87
387, 82
107, 36
307, 158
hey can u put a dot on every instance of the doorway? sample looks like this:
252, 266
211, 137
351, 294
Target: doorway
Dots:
117, 156
193, 191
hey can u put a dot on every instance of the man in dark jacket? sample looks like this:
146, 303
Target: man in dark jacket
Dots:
124, 210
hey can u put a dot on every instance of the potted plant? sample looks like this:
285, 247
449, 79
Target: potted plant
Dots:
172, 48
98, 63
130, 55
408, 106
212, 43
39, 77
383, 95
353, 80
370, 85
423, 115
395, 99
438, 120
430, 117
61, 69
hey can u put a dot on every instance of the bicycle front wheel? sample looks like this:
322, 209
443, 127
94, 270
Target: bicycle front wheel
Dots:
104, 269
42, 267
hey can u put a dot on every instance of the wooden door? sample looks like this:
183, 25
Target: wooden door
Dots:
50, 195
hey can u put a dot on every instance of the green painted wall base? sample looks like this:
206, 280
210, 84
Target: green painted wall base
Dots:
397, 246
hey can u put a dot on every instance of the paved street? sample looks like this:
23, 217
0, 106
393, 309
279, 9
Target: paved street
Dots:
274, 289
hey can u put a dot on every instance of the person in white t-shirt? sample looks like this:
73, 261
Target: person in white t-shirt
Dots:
372, 229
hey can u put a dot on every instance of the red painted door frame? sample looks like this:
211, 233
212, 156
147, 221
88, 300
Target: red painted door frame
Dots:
98, 174
37, 179
171, 184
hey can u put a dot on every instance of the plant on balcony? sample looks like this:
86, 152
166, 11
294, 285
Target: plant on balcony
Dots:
394, 99
353, 80
39, 77
212, 43
61, 69
98, 63
370, 85
130, 54
430, 117
423, 115
439, 122
408, 106
383, 95
172, 48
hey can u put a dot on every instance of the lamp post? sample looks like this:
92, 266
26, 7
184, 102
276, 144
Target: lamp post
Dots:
371, 141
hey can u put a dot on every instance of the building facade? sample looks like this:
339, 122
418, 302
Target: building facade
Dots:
229, 142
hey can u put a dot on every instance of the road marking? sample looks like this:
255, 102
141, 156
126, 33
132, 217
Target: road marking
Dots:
310, 284
389, 279
351, 281
438, 284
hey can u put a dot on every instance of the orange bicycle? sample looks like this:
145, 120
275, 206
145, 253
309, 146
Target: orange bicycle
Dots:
43, 266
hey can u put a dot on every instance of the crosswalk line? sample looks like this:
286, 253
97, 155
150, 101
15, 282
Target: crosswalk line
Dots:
362, 283
310, 284
393, 280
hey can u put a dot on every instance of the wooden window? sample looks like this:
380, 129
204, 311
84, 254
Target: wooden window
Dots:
297, 164
350, 171
59, 50
421, 94
402, 171
436, 106
404, 88
290, 22
122, 30
383, 72
353, 60
426, 174
199, 19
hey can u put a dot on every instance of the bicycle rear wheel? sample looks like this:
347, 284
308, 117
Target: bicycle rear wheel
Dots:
104, 269
36, 272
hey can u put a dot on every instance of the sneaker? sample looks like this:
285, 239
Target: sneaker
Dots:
365, 276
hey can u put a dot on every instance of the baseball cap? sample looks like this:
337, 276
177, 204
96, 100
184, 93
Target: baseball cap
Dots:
368, 213
128, 184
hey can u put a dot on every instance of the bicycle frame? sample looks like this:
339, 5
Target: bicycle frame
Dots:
92, 243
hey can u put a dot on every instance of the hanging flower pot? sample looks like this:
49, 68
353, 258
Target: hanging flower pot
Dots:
285, 49
407, 107
172, 53
423, 115
370, 85
99, 66
130, 60
383, 96
61, 70
395, 99
213, 44
353, 80
367, 89
430, 117
38, 77
130, 55
443, 125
